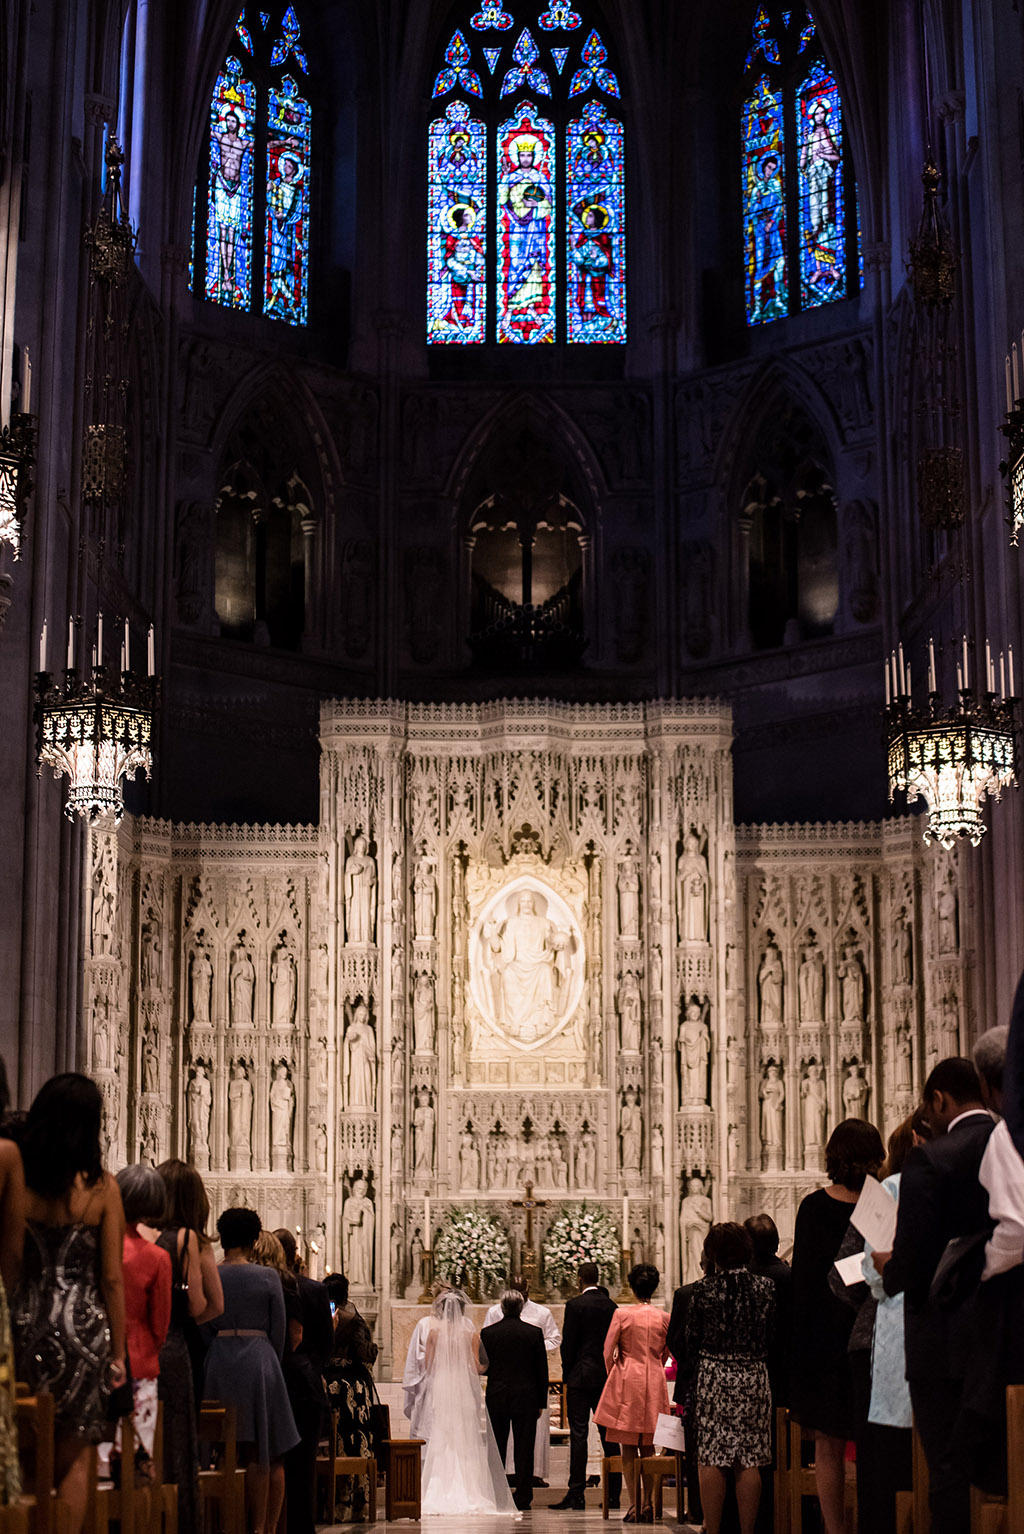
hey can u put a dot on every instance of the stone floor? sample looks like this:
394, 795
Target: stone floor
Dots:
540, 1520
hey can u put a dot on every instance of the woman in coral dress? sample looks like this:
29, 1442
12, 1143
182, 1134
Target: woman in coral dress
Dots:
635, 1391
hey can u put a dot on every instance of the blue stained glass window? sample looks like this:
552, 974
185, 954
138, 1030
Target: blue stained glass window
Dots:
244, 33
457, 229
527, 75
492, 55
559, 55
286, 263
525, 153
559, 14
595, 193
491, 15
457, 70
594, 71
229, 218
822, 209
288, 43
764, 206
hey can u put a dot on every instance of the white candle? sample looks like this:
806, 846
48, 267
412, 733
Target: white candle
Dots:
1009, 656
967, 672
71, 643
1002, 673
26, 381
625, 1221
126, 649
902, 671
1009, 387
959, 677
909, 688
1015, 365
151, 652
99, 637
990, 676
426, 1223
42, 647
931, 666
888, 688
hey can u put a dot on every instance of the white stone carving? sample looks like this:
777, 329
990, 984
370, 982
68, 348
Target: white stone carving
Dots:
469, 1160
773, 1098
201, 985
813, 1114
631, 1132
769, 985
360, 895
359, 1060
357, 1222
694, 1052
200, 1101
423, 1120
695, 1216
811, 982
526, 963
282, 1118
629, 1008
424, 1013
243, 984
320, 1148
851, 985
424, 895
239, 1119
692, 891
282, 988
627, 885
902, 949
855, 1093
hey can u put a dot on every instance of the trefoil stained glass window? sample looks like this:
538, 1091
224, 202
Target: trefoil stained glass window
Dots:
801, 234
252, 216
526, 217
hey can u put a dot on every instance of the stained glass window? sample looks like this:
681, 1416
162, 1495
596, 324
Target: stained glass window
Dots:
251, 233
801, 233
526, 233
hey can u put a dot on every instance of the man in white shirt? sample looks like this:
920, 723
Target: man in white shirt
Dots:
1002, 1169
535, 1315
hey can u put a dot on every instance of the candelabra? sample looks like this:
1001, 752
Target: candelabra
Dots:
17, 460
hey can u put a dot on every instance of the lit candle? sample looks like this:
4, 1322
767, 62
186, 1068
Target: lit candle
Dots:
625, 1221
902, 671
151, 652
931, 666
990, 676
959, 677
126, 649
1009, 388
426, 1222
909, 688
1015, 365
42, 647
71, 643
888, 688
26, 381
967, 673
1002, 673
1009, 657
99, 638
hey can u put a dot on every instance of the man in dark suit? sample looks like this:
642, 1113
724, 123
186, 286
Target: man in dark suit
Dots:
767, 1263
588, 1316
517, 1388
940, 1198
306, 1389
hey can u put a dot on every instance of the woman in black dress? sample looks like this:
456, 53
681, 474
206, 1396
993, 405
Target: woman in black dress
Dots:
350, 1392
820, 1386
728, 1320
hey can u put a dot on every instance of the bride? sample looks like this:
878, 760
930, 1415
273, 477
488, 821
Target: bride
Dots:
462, 1470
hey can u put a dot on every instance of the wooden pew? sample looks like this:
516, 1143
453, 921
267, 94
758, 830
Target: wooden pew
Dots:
913, 1515
1005, 1515
34, 1418
129, 1505
658, 1468
403, 1477
332, 1464
223, 1487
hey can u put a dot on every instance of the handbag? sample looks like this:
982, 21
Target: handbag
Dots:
380, 1426
958, 1274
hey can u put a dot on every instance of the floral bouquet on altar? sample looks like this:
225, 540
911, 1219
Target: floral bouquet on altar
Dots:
472, 1248
581, 1233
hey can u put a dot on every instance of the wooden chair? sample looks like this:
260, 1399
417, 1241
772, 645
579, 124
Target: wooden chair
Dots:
128, 1505
659, 1468
1005, 1515
331, 1465
34, 1418
913, 1515
164, 1510
611, 1464
781, 1491
222, 1488
800, 1477
403, 1478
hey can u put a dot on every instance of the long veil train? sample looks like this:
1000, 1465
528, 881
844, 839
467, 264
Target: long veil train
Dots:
462, 1470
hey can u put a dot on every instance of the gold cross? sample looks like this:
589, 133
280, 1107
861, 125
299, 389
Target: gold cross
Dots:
529, 1203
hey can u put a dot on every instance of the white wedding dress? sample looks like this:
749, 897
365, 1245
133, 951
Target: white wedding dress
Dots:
462, 1470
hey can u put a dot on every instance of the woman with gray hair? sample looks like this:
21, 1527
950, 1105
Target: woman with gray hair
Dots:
147, 1294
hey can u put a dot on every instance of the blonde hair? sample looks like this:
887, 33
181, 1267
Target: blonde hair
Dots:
268, 1252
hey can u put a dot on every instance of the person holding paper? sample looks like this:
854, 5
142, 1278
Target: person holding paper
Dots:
940, 1199
728, 1321
820, 1393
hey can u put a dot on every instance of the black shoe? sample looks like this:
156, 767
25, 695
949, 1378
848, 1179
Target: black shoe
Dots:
614, 1503
522, 1507
570, 1504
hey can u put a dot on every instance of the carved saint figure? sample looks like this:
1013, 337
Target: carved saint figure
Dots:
243, 982
531, 994
946, 916
656, 976
855, 1093
902, 949
469, 1160
101, 1033
423, 1013
424, 897
851, 986
949, 1026
150, 1063
202, 984
769, 981
357, 1219
360, 895
150, 959
692, 891
811, 983
282, 985
814, 1108
359, 1060
282, 1114
773, 1098
397, 974
200, 1098
631, 1131
397, 1067
629, 1013
397, 1156
423, 1134
628, 886
904, 1060
320, 1148
416, 1252
240, 1119
586, 1159
694, 1051
695, 1216
657, 1152
732, 1147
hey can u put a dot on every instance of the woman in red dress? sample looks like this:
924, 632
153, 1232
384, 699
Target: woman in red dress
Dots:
635, 1391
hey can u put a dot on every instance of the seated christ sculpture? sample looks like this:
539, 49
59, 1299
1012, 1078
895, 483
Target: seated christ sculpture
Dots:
528, 983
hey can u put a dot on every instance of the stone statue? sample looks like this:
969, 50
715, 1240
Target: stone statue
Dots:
904, 1060
769, 982
657, 1153
628, 887
320, 1148
282, 988
239, 1119
359, 1060
397, 1157
814, 1111
424, 896
360, 895
695, 1216
149, 964
659, 1249
423, 1015
628, 1002
530, 990
397, 1275
902, 949
811, 983
243, 983
101, 1033
202, 985
851, 986
491, 1160
150, 1063
469, 1160
586, 1159
773, 1099
855, 1093
102, 923
560, 1163
694, 1052
149, 1152
397, 1067
949, 1026
631, 1132
357, 1218
397, 974
946, 916
636, 1247
282, 1116
656, 975
692, 891
732, 1148
423, 1134
416, 1252
200, 1099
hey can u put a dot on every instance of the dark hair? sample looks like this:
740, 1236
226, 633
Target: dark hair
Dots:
644, 1279
336, 1285
727, 1246
921, 1124
588, 1274
288, 1242
187, 1203
5, 1090
901, 1143
238, 1227
61, 1138
512, 1303
764, 1236
956, 1077
854, 1151
142, 1193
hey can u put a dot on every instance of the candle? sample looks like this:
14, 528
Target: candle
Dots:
151, 653
99, 637
1009, 387
26, 381
931, 666
42, 647
126, 649
1009, 656
959, 677
625, 1221
967, 673
1015, 365
426, 1222
902, 671
909, 688
888, 687
990, 676
71, 643
1002, 673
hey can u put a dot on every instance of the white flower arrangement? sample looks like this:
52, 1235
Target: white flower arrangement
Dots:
472, 1242
581, 1233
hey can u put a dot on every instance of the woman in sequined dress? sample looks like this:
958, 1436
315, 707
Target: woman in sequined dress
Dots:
68, 1309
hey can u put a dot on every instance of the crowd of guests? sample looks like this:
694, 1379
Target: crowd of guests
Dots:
118, 1304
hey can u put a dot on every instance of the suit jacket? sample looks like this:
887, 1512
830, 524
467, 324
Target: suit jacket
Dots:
940, 1197
781, 1275
686, 1368
517, 1365
584, 1328
317, 1323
